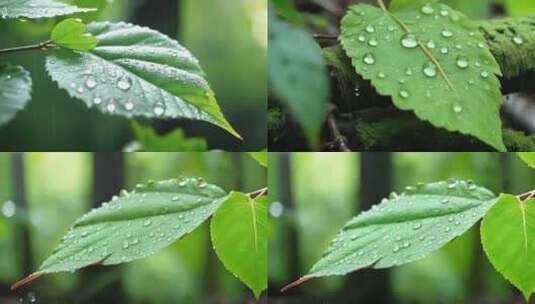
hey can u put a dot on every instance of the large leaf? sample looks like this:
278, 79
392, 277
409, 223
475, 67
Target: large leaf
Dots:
432, 60
239, 235
15, 90
528, 158
37, 8
507, 235
405, 227
134, 225
135, 71
297, 74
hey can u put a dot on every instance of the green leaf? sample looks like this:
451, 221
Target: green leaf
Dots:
37, 9
239, 235
148, 140
135, 71
528, 158
71, 34
508, 241
431, 60
405, 228
298, 76
15, 91
260, 157
134, 225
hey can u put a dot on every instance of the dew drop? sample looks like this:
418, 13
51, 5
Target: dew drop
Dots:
97, 100
462, 62
158, 109
90, 83
408, 71
373, 42
404, 93
125, 244
124, 83
395, 249
369, 59
430, 70
444, 201
175, 198
427, 9
147, 223
446, 33
484, 74
417, 226
480, 45
129, 106
111, 107
457, 109
381, 75
361, 38
518, 40
391, 28
409, 41
370, 29
431, 44
444, 50
444, 13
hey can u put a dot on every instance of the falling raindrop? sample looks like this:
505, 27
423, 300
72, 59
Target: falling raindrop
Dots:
462, 62
409, 41
446, 33
369, 59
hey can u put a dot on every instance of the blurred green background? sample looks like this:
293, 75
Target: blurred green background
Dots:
41, 194
319, 192
228, 37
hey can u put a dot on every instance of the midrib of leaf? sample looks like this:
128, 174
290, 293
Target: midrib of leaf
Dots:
423, 47
524, 225
252, 205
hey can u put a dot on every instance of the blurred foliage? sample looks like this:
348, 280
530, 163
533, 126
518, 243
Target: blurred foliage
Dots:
325, 189
59, 189
232, 50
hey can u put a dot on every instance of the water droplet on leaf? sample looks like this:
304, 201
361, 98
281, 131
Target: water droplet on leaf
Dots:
409, 41
369, 59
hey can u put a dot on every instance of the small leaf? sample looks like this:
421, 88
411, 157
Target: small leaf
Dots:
149, 140
509, 242
528, 158
71, 34
298, 75
134, 225
15, 90
239, 235
431, 60
37, 9
260, 157
135, 71
405, 227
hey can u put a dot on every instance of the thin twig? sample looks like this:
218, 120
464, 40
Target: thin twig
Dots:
40, 46
258, 193
526, 196
339, 139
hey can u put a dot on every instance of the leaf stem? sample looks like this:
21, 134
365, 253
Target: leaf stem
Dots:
526, 196
40, 46
258, 193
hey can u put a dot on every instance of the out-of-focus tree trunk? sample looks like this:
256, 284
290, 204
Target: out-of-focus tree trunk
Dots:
21, 229
371, 285
102, 284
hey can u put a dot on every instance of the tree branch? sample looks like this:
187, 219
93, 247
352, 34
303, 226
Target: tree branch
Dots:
43, 46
